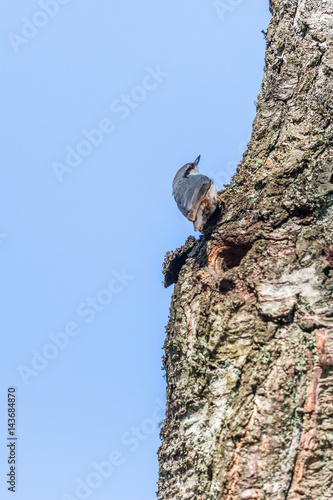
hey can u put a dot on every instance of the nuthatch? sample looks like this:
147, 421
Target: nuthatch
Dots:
195, 194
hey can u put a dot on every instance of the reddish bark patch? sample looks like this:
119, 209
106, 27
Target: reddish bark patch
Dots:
308, 442
328, 252
234, 471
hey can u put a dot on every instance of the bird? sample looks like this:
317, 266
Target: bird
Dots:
195, 194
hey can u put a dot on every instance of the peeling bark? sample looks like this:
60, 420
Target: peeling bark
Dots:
249, 348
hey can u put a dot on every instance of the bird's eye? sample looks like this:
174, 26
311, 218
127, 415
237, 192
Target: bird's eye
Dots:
188, 170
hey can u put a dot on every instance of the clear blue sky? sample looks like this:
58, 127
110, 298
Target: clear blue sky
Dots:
101, 103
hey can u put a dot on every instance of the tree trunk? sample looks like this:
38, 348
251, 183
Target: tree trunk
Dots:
249, 348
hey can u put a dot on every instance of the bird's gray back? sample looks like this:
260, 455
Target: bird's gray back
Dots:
189, 191
179, 176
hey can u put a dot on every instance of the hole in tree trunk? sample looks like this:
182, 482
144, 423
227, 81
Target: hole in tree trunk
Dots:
227, 256
226, 285
232, 256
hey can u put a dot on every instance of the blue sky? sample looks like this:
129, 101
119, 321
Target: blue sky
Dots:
102, 102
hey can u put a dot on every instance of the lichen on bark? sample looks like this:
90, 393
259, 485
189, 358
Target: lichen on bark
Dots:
249, 347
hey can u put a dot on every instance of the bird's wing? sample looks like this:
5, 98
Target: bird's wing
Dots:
191, 195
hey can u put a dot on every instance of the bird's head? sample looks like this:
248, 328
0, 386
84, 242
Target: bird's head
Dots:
191, 168
186, 170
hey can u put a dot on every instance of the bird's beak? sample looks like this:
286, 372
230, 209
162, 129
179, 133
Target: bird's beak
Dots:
196, 161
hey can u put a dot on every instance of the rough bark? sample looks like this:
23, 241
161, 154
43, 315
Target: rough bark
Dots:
249, 348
